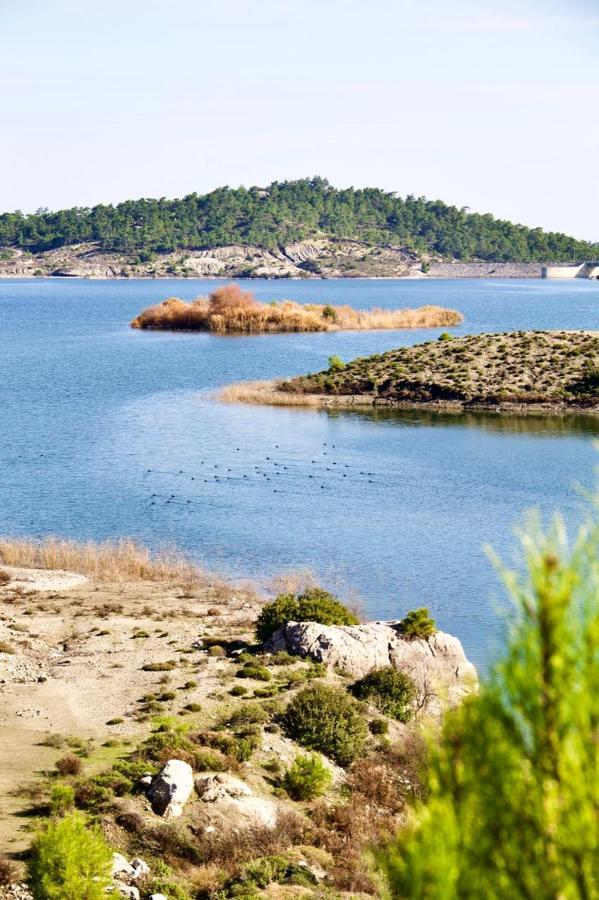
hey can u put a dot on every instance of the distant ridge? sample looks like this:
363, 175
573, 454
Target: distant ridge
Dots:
286, 212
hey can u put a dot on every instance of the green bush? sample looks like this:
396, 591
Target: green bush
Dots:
324, 718
445, 336
70, 859
307, 778
336, 364
378, 726
251, 670
62, 799
391, 691
417, 624
313, 605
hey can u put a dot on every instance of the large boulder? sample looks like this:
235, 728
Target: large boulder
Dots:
171, 789
438, 665
232, 801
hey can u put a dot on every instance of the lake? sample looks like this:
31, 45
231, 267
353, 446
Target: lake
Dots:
106, 431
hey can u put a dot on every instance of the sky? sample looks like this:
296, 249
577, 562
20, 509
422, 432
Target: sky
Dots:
490, 104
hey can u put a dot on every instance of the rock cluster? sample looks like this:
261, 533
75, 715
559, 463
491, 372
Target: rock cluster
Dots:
438, 665
171, 789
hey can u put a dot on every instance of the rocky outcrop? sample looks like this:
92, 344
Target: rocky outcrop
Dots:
171, 789
232, 801
438, 665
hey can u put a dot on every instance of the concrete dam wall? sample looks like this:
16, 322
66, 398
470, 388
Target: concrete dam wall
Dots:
581, 270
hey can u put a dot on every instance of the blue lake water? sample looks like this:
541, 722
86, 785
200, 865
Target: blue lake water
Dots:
96, 418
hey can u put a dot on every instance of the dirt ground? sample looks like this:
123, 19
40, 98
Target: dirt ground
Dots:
71, 657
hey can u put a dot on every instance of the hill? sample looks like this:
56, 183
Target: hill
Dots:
345, 224
552, 370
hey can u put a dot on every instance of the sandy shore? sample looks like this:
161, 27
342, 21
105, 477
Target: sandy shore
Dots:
267, 393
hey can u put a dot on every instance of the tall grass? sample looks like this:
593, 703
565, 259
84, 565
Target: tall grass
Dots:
267, 393
229, 310
109, 560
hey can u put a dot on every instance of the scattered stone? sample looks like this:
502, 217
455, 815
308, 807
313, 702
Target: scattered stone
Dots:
438, 665
171, 789
125, 890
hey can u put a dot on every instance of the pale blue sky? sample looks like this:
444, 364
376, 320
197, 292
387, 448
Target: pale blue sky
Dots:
491, 104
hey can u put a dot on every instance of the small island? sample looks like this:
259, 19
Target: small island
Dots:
518, 372
230, 310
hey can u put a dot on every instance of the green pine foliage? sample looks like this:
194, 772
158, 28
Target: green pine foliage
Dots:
307, 777
313, 605
324, 718
513, 808
70, 860
417, 624
392, 692
288, 211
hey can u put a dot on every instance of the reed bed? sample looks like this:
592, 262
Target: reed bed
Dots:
229, 310
268, 393
108, 560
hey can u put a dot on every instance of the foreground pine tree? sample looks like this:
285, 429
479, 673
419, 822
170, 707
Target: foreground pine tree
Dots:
513, 806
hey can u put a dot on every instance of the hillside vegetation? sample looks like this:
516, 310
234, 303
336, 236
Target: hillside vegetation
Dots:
229, 310
283, 213
522, 368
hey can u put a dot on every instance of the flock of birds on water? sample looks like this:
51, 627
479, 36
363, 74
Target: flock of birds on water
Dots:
279, 474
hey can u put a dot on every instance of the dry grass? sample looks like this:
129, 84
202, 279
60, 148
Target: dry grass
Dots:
109, 560
229, 310
267, 393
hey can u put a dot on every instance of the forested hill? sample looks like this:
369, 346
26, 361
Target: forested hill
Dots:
286, 212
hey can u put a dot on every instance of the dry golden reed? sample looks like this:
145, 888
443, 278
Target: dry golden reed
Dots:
229, 310
109, 560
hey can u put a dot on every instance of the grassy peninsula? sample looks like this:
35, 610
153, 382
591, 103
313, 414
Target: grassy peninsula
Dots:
230, 310
520, 371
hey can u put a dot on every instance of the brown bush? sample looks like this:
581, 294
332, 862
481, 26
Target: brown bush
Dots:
5, 577
8, 871
69, 764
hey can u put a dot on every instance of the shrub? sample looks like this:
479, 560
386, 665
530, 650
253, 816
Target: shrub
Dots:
70, 859
193, 707
336, 364
69, 764
313, 605
391, 691
378, 726
5, 577
62, 799
511, 808
307, 778
217, 650
250, 670
116, 721
445, 336
8, 871
418, 624
324, 718
167, 666
238, 690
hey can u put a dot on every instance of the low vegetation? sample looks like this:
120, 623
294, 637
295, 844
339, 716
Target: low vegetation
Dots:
392, 692
70, 859
326, 719
307, 777
527, 368
230, 310
312, 605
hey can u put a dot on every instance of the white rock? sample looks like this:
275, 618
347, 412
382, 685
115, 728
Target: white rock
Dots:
171, 789
120, 866
145, 781
158, 897
233, 802
140, 866
439, 667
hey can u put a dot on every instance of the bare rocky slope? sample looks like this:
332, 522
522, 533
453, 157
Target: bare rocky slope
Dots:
317, 258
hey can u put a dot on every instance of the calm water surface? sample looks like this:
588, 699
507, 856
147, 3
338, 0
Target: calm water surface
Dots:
106, 431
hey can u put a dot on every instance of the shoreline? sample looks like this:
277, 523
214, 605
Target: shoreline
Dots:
265, 393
